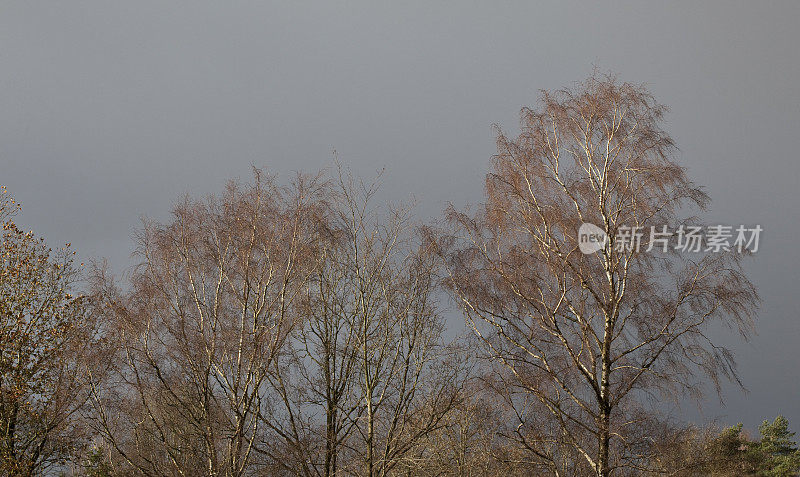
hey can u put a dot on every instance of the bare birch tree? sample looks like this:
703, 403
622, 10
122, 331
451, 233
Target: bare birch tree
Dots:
370, 375
407, 384
210, 307
584, 339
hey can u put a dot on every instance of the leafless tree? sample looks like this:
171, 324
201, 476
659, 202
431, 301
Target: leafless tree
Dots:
585, 339
369, 375
467, 443
209, 308
315, 377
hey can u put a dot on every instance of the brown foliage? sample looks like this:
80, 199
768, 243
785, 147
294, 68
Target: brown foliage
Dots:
46, 336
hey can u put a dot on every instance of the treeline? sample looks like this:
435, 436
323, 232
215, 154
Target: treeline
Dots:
298, 328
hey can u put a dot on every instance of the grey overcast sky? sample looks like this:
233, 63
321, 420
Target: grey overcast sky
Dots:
113, 110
